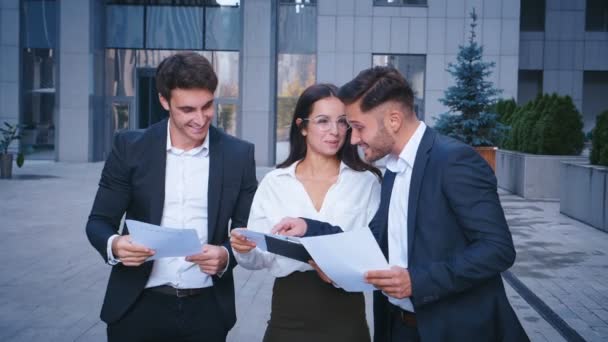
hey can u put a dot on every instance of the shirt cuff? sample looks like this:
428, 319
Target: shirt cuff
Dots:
111, 260
220, 274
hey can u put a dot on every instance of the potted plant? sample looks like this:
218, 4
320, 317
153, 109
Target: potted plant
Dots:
9, 134
545, 133
471, 100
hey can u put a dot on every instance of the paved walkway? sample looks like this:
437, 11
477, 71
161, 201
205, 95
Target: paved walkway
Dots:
52, 281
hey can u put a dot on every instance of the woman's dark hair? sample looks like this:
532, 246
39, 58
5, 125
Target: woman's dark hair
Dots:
297, 142
185, 70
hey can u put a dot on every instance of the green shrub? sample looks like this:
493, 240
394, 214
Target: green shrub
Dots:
599, 146
550, 124
505, 109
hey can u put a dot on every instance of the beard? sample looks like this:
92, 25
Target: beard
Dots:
380, 145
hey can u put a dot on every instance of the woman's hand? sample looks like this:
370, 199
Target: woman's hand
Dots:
239, 243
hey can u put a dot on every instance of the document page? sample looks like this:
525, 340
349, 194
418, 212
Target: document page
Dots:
166, 242
345, 257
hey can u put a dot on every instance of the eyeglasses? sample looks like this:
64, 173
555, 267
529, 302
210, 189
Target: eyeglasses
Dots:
325, 124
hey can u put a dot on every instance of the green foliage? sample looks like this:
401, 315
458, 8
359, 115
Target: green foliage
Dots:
9, 134
599, 146
505, 109
471, 99
550, 124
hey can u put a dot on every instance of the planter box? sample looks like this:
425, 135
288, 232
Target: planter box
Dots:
531, 176
584, 195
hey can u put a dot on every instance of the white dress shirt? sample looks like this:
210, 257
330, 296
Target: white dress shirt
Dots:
185, 206
350, 203
402, 166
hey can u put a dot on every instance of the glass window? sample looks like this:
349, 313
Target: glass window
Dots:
39, 24
226, 117
400, 2
222, 28
597, 15
529, 84
125, 26
532, 15
174, 28
296, 64
297, 29
120, 114
595, 101
412, 67
38, 105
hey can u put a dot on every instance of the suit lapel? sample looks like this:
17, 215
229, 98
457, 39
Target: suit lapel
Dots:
158, 162
216, 165
420, 162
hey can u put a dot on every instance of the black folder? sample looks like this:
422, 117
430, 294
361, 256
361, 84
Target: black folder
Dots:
291, 249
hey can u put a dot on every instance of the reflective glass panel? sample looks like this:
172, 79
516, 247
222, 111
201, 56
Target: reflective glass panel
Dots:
174, 28
412, 67
297, 29
226, 117
38, 105
39, 24
222, 28
295, 73
125, 26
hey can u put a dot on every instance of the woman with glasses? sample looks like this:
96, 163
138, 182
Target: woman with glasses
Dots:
323, 178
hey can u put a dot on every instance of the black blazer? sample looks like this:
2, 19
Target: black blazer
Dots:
133, 181
458, 244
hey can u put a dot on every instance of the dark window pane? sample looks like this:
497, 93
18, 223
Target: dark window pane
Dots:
38, 106
529, 84
125, 26
412, 67
597, 15
400, 2
174, 28
40, 24
297, 29
222, 28
175, 2
532, 15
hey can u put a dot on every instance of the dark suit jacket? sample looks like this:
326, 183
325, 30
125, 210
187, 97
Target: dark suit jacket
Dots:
458, 244
133, 181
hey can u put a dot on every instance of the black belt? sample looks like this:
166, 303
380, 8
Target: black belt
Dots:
180, 293
406, 317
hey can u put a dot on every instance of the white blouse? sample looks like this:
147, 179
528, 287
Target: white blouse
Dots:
350, 203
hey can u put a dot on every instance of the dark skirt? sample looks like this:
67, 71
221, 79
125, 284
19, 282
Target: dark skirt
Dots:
305, 308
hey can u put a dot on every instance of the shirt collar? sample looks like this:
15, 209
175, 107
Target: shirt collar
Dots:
408, 155
203, 149
291, 169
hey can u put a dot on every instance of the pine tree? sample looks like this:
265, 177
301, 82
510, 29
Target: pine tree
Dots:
470, 101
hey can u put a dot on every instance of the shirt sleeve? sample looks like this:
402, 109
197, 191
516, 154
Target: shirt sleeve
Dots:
257, 259
111, 259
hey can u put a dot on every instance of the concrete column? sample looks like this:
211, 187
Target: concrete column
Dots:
9, 62
77, 77
258, 79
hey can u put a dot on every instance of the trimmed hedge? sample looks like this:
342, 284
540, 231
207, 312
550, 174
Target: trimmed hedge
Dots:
550, 125
599, 146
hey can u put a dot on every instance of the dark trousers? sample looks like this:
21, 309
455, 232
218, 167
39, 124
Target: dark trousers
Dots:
161, 317
402, 331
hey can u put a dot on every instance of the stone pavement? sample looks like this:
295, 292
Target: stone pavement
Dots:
52, 281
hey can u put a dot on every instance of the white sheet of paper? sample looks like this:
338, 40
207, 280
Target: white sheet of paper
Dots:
260, 238
166, 242
345, 257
